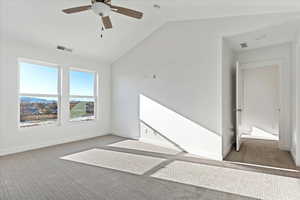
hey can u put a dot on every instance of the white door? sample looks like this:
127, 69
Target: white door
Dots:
238, 110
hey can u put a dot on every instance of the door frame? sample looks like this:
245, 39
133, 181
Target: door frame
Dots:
284, 97
238, 107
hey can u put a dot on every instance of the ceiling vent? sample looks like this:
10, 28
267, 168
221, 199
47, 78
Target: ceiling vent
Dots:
156, 6
244, 45
62, 48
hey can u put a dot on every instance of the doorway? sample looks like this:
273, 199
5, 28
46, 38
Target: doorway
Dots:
260, 102
259, 118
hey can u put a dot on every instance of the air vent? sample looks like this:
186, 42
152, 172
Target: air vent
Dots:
156, 6
244, 45
62, 48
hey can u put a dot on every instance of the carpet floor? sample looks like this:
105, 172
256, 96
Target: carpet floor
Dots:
126, 169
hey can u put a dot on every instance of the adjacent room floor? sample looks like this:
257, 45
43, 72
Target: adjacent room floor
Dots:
114, 168
262, 152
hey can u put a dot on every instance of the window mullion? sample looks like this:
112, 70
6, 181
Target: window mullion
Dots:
81, 97
38, 95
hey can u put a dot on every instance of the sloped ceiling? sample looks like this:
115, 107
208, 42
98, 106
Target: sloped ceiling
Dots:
271, 35
41, 21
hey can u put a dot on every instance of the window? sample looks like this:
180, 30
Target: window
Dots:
83, 98
39, 94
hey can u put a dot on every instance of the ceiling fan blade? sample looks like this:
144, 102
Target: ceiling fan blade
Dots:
126, 11
107, 22
77, 9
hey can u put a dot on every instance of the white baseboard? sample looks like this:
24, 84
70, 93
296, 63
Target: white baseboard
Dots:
8, 151
158, 143
293, 153
126, 136
207, 155
227, 149
294, 156
284, 147
196, 152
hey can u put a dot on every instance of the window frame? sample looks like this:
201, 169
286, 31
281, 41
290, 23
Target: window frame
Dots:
58, 95
95, 97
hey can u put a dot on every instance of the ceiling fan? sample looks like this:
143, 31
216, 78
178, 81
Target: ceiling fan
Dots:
103, 8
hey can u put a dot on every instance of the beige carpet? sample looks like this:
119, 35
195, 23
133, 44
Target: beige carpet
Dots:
246, 183
40, 175
136, 164
178, 168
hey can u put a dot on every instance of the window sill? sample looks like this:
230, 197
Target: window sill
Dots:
57, 124
83, 119
39, 125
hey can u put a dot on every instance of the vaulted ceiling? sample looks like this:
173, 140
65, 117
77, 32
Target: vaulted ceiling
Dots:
41, 21
271, 35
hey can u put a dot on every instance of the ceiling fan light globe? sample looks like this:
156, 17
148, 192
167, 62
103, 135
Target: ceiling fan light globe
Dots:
101, 9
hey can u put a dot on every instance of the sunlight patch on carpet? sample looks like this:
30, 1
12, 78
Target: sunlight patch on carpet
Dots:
141, 146
126, 162
246, 183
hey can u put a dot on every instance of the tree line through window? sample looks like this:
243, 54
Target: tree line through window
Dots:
40, 94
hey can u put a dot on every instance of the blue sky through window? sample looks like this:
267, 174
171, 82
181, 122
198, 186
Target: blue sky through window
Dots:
81, 83
38, 79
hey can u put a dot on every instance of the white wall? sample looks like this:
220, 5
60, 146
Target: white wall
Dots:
261, 100
186, 58
283, 53
14, 139
2, 61
296, 99
182, 85
293, 101
228, 97
297, 106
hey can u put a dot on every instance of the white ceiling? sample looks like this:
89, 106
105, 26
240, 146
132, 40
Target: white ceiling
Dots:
41, 21
272, 35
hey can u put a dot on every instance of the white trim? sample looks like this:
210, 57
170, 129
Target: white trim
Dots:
37, 62
263, 63
59, 91
81, 97
297, 102
40, 125
284, 123
227, 149
38, 95
81, 70
96, 94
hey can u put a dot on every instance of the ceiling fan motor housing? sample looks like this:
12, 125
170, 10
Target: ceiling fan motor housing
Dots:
101, 9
